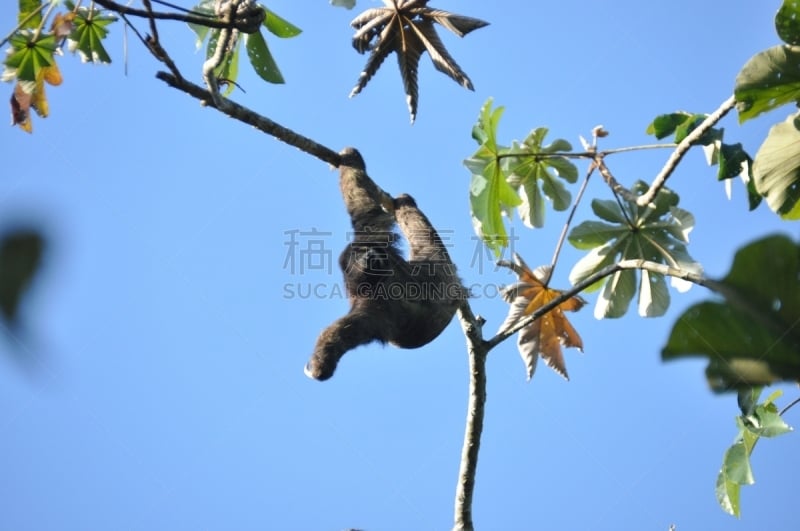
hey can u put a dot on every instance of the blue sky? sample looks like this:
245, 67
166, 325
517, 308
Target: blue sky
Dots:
167, 334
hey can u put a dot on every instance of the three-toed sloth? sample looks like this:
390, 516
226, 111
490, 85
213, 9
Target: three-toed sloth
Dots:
392, 300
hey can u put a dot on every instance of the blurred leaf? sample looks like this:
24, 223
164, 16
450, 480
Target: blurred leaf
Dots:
756, 421
767, 81
20, 258
26, 7
545, 336
776, 170
344, 3
657, 232
278, 26
787, 22
206, 7
751, 338
261, 58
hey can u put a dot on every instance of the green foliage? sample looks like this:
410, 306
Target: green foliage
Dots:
534, 171
776, 170
657, 232
489, 193
88, 34
518, 176
787, 22
756, 421
767, 81
732, 160
258, 52
30, 53
751, 337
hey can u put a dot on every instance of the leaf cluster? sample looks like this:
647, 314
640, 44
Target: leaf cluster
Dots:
519, 176
756, 421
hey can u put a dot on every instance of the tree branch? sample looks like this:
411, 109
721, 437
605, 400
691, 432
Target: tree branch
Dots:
681, 150
245, 115
477, 349
248, 22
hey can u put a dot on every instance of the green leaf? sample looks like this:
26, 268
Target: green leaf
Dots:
29, 55
535, 169
776, 169
653, 295
261, 58
591, 234
206, 7
617, 295
490, 194
656, 232
609, 210
665, 124
88, 34
750, 338
787, 22
756, 421
767, 81
733, 160
278, 26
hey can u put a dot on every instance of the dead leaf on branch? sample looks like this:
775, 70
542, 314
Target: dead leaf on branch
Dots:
406, 28
545, 336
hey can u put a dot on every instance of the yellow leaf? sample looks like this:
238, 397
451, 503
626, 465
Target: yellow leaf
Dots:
544, 337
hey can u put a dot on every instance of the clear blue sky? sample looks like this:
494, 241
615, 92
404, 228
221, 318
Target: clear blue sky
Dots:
167, 334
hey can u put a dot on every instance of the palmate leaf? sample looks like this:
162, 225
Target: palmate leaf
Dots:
536, 172
29, 55
89, 31
657, 232
406, 28
545, 336
751, 337
490, 194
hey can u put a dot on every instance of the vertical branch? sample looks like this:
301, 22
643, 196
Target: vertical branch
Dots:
477, 350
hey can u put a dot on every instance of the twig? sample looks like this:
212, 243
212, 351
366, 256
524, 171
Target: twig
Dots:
563, 236
22, 23
681, 150
245, 115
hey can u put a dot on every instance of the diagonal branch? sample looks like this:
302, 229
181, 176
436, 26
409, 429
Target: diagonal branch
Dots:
682, 149
248, 23
245, 115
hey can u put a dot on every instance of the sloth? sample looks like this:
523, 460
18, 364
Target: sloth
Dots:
392, 300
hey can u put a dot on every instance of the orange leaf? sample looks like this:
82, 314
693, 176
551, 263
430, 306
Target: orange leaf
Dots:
545, 336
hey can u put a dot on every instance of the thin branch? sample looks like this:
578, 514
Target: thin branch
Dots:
682, 149
611, 181
563, 236
477, 350
22, 23
245, 115
248, 23
789, 406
